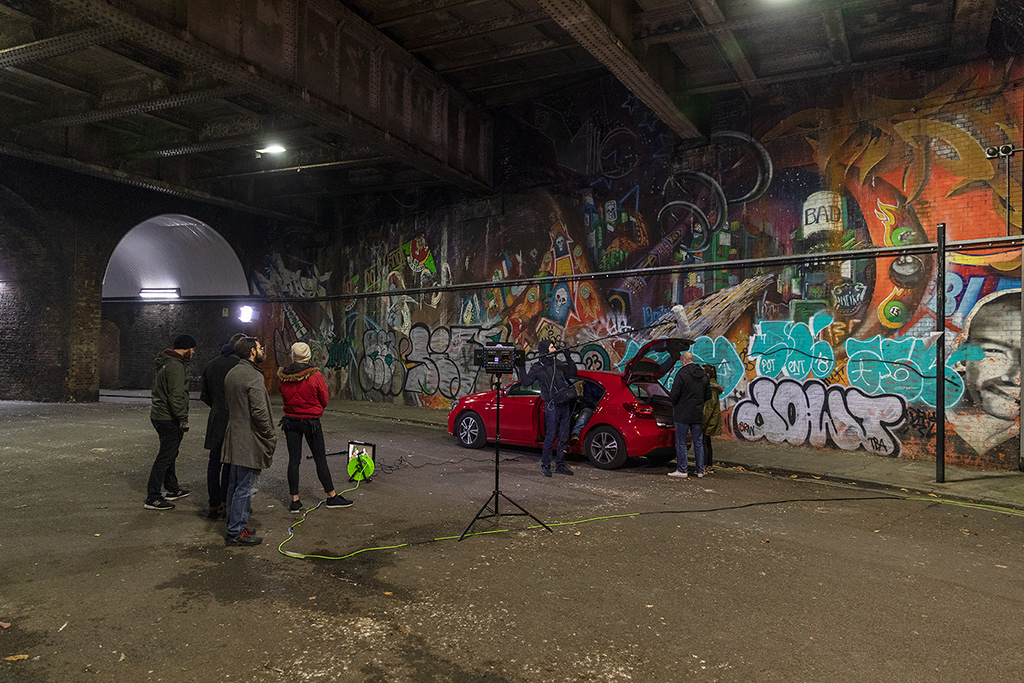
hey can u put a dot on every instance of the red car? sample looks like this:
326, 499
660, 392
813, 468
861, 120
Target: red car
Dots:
632, 417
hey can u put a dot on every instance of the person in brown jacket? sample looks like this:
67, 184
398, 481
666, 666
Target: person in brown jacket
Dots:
712, 414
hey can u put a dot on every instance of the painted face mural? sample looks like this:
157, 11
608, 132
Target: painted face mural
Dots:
993, 375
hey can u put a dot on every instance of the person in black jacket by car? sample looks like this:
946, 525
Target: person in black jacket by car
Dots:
555, 379
690, 389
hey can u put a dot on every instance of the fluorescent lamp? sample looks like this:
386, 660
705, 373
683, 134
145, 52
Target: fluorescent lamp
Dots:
272, 149
159, 292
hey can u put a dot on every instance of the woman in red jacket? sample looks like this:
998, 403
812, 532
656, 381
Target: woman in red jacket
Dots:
304, 391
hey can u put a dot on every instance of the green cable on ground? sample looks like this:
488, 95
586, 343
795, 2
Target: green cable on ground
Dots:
945, 501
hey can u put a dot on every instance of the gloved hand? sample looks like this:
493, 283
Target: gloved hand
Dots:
183, 425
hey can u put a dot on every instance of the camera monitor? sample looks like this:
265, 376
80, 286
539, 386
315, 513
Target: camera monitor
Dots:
499, 359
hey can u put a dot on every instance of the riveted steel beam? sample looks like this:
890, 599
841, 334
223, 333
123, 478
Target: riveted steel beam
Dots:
835, 31
121, 111
302, 86
972, 22
709, 14
462, 32
56, 46
145, 183
580, 21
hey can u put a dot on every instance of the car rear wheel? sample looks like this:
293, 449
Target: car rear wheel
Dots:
469, 428
605, 448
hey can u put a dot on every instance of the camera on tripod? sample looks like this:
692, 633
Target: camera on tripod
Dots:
499, 359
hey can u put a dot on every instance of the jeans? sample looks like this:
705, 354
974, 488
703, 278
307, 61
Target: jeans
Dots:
162, 473
243, 482
581, 420
556, 424
697, 436
217, 477
294, 429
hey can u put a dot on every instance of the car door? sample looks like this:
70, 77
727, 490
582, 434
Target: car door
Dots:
521, 413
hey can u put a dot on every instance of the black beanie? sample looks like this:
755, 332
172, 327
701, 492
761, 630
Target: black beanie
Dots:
184, 341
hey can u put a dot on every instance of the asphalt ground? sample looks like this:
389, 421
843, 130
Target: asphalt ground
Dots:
736, 577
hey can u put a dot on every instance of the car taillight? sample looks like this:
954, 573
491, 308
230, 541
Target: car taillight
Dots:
639, 409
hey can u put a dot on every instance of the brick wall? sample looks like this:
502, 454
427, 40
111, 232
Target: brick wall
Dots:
147, 328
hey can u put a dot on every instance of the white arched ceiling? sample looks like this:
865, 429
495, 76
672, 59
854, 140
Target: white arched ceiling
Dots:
176, 252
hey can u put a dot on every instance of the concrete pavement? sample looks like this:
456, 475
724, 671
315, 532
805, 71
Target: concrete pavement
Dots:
1003, 488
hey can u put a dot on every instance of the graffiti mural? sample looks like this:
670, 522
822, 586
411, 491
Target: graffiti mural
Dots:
608, 232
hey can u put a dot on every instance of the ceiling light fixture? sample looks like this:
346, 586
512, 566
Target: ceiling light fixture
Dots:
272, 149
160, 292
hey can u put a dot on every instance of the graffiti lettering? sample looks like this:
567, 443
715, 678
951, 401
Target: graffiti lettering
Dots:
381, 370
921, 423
721, 353
789, 348
904, 366
810, 413
441, 360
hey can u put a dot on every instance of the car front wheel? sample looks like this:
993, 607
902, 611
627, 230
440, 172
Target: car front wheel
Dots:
470, 430
605, 448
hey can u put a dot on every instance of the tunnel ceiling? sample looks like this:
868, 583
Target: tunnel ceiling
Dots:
377, 95
174, 252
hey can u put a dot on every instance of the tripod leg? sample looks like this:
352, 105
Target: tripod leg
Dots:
480, 515
524, 510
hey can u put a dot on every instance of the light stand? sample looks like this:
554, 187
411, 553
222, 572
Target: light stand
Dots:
497, 494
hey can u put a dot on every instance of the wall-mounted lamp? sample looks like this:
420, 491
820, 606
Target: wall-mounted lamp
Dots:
1001, 151
247, 314
160, 292
1004, 152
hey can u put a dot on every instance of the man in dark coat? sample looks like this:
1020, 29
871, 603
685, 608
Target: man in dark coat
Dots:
249, 439
169, 415
212, 394
555, 380
690, 389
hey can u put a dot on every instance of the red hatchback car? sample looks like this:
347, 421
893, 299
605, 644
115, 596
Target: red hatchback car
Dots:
632, 416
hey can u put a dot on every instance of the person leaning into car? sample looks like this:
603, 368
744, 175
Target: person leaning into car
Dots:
556, 390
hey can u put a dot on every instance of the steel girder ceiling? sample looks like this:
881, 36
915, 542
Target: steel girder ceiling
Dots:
370, 95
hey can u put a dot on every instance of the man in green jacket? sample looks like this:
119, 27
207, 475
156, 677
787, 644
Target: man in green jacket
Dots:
249, 439
169, 416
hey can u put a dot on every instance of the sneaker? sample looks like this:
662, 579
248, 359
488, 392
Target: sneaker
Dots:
700, 475
296, 506
337, 502
158, 504
564, 469
546, 471
175, 495
244, 538
574, 439
678, 474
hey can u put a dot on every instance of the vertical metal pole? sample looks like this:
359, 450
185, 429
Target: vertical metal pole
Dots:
940, 356
497, 439
1007, 195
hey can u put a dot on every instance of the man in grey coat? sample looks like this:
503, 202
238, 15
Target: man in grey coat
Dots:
249, 439
690, 389
212, 394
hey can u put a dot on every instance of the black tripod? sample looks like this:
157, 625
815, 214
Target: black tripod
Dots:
497, 495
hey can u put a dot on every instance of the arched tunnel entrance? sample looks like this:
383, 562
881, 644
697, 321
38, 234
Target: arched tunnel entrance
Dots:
169, 274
